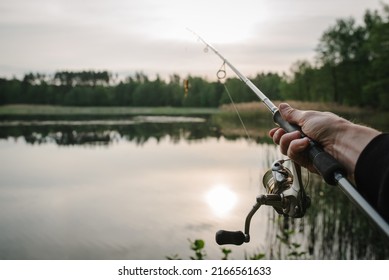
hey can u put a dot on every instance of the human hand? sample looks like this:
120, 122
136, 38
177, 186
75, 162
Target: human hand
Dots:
339, 137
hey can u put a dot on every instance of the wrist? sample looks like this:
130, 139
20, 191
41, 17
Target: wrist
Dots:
350, 143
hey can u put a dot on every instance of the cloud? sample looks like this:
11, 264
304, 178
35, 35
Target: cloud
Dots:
150, 36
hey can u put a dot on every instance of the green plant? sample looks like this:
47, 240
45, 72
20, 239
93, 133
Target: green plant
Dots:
198, 247
226, 252
292, 247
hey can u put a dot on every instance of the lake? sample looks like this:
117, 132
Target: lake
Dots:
143, 187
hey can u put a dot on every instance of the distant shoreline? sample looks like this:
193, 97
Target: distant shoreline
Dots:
32, 109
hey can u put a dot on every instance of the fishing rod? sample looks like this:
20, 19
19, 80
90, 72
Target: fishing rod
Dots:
326, 165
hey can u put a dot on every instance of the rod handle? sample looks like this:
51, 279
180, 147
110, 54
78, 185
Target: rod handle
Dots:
325, 164
230, 237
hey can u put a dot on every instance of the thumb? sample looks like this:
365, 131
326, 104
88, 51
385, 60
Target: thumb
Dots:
290, 114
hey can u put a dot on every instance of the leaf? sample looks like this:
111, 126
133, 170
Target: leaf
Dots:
257, 256
199, 244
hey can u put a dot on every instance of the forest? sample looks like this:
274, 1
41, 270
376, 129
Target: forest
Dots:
351, 68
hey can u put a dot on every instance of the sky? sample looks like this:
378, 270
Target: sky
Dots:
128, 36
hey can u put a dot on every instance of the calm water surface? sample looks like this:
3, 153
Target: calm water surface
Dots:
140, 188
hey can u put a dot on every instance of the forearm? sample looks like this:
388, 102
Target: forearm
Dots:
349, 144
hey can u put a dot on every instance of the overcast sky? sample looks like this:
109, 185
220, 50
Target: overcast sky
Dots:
125, 36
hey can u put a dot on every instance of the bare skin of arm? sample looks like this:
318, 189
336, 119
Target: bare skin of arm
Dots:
342, 139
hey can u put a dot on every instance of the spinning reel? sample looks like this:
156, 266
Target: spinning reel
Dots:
284, 191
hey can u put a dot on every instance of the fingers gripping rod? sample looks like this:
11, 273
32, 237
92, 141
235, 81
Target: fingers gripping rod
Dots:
328, 167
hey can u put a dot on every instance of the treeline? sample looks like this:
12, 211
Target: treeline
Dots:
351, 68
98, 89
352, 64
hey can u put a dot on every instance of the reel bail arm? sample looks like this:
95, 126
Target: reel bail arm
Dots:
238, 237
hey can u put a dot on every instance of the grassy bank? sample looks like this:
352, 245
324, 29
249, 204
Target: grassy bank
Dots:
256, 112
49, 110
244, 108
319, 106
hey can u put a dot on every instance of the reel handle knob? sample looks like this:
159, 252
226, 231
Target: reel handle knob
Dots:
324, 163
230, 237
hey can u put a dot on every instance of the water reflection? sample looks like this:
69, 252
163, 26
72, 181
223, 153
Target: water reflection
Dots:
221, 200
138, 196
104, 132
139, 188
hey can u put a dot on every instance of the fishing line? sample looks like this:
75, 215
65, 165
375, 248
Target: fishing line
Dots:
237, 112
221, 74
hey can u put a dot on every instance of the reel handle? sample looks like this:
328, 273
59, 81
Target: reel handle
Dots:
230, 237
324, 163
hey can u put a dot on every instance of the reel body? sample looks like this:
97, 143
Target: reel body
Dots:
287, 184
284, 192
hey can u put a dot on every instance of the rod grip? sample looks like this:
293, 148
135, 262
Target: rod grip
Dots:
230, 237
324, 163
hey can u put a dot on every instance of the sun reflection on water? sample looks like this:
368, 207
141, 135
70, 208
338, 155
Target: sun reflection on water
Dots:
221, 199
